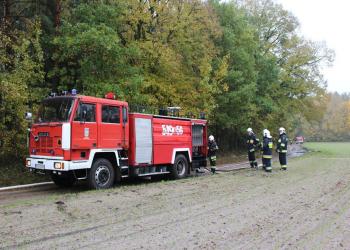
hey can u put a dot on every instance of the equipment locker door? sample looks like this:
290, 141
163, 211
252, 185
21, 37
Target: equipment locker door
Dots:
143, 141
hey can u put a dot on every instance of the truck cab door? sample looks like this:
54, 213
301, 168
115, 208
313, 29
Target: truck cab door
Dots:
111, 127
125, 127
84, 127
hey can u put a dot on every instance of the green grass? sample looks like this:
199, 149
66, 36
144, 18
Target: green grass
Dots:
17, 174
330, 149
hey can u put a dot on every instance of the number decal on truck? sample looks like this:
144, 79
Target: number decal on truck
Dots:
169, 130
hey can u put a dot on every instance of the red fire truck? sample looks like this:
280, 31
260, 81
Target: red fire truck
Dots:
76, 137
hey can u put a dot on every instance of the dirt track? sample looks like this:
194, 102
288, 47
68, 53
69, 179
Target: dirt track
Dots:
306, 207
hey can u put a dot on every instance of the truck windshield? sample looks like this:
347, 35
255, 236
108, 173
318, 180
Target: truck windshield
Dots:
55, 110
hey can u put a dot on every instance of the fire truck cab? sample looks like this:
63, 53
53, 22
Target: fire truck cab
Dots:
78, 137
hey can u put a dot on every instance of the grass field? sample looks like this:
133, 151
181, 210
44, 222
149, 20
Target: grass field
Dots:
306, 207
335, 149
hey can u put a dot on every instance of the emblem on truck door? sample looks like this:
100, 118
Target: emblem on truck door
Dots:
86, 132
169, 130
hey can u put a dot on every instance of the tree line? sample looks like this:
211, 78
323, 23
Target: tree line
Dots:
241, 62
335, 123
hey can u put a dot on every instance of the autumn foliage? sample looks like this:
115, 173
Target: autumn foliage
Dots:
241, 62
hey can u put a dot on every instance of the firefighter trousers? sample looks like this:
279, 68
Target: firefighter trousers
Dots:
212, 160
283, 160
252, 159
267, 163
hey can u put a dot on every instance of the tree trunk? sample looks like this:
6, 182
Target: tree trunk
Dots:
6, 11
58, 14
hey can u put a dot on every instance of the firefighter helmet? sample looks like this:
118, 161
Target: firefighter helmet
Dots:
250, 131
266, 133
282, 130
211, 138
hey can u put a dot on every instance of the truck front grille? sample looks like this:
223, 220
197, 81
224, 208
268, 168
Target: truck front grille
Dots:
44, 143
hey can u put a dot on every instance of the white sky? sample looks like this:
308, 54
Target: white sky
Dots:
329, 21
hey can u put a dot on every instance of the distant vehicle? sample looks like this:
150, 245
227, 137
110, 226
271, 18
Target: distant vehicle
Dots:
299, 139
79, 137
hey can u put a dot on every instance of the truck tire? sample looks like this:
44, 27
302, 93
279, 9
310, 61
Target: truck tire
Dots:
101, 175
179, 169
63, 181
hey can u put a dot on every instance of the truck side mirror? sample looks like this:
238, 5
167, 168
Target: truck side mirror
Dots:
28, 116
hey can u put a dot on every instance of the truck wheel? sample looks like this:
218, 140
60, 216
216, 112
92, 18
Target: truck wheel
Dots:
63, 181
180, 167
101, 174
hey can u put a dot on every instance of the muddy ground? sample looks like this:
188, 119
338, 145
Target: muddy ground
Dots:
305, 207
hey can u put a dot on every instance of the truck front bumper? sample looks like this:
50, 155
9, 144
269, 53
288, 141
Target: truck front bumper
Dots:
44, 164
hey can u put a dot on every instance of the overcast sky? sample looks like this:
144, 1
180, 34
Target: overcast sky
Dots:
329, 21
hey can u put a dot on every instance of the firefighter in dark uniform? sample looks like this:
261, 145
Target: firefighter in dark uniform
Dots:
252, 144
267, 150
212, 148
282, 148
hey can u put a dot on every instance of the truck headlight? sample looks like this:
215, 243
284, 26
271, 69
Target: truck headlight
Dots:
58, 165
28, 163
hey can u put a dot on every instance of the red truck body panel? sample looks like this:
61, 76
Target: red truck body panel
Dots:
168, 135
